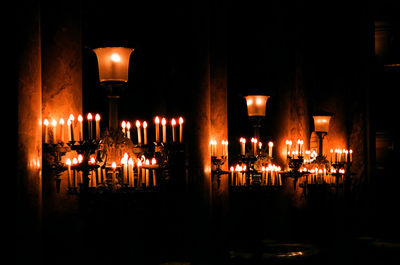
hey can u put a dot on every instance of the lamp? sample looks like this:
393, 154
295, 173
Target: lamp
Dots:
113, 63
256, 105
321, 127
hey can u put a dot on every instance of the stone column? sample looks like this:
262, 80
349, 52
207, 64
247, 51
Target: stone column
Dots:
29, 134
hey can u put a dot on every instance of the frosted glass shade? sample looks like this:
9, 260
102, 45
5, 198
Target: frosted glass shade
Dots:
321, 123
256, 105
113, 63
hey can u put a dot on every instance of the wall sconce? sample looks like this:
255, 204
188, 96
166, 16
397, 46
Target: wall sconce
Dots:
256, 106
321, 127
113, 63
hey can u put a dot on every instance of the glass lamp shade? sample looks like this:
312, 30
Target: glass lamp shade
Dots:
113, 63
321, 123
256, 105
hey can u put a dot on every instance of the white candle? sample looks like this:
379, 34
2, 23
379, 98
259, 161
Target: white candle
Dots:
157, 122
128, 130
97, 118
164, 127
154, 162
114, 174
131, 176
213, 145
90, 125
270, 145
61, 122
80, 120
139, 134
351, 155
54, 125
147, 173
74, 162
139, 164
46, 131
180, 129
145, 132
173, 124
224, 148
68, 163
70, 123
232, 172
124, 163
331, 155
242, 146
123, 126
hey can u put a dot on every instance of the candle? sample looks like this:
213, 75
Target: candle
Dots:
97, 118
123, 126
46, 131
70, 123
173, 123
232, 171
90, 125
213, 144
130, 171
288, 147
242, 146
54, 125
270, 145
139, 134
61, 122
164, 127
145, 132
139, 164
93, 182
346, 155
351, 155
128, 131
331, 155
80, 120
224, 148
180, 129
114, 174
147, 173
124, 163
254, 146
74, 162
263, 179
154, 162
68, 163
157, 122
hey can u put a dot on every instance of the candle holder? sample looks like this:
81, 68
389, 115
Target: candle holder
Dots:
216, 171
52, 165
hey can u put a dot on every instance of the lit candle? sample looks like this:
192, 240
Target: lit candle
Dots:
157, 122
346, 154
145, 132
147, 173
61, 130
123, 126
288, 147
154, 162
68, 163
46, 131
128, 131
254, 146
124, 163
54, 125
351, 155
114, 174
180, 129
90, 125
74, 162
139, 164
173, 123
340, 155
164, 127
97, 118
263, 179
70, 123
270, 145
130, 169
242, 146
331, 155
224, 148
232, 171
139, 134
213, 144
80, 120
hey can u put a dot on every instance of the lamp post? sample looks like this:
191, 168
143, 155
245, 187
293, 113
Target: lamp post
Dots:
113, 63
256, 105
321, 127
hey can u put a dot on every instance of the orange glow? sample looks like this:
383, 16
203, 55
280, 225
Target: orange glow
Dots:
113, 63
270, 144
242, 140
139, 163
115, 57
89, 116
74, 161
97, 117
257, 109
80, 158
147, 162
130, 161
180, 120
92, 160
54, 123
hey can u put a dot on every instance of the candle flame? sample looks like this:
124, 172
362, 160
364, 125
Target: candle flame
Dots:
68, 162
137, 123
123, 124
157, 120
128, 125
114, 165
144, 124
61, 121
97, 117
46, 122
89, 116
232, 168
180, 120
54, 123
147, 162
242, 140
74, 161
163, 121
115, 57
153, 161
139, 163
270, 144
173, 122
92, 160
71, 117
80, 118
80, 158
69, 122
130, 161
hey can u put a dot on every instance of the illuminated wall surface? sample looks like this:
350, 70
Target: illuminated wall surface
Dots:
199, 64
